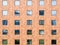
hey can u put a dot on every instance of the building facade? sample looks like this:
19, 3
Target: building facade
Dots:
29, 22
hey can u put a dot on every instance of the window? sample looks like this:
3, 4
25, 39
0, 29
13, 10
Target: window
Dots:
4, 32
41, 42
53, 22
17, 22
41, 2
29, 12
53, 12
17, 41
41, 32
53, 41
53, 2
17, 32
5, 12
29, 2
29, 22
41, 12
29, 32
41, 22
4, 42
4, 22
4, 3
17, 2
53, 32
29, 42
17, 12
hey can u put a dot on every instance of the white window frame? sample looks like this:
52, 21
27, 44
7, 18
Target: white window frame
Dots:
54, 12
4, 12
17, 3
29, 12
41, 2
4, 2
29, 2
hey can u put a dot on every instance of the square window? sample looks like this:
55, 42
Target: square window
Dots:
5, 3
17, 3
29, 32
53, 22
53, 12
5, 12
17, 12
53, 41
4, 22
41, 12
17, 41
41, 41
29, 22
4, 41
4, 32
41, 32
29, 3
53, 32
41, 2
29, 12
17, 22
29, 42
17, 32
41, 22
53, 2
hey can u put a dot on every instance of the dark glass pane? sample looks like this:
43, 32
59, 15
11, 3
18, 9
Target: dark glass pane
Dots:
41, 41
29, 32
41, 12
53, 32
17, 22
17, 12
4, 22
53, 42
4, 32
17, 41
4, 41
29, 22
41, 22
53, 22
29, 41
17, 32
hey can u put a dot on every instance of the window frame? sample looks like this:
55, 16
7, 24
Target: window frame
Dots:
4, 33
41, 12
3, 42
53, 2
29, 12
30, 2
54, 12
41, 2
29, 41
17, 4
40, 22
55, 41
17, 23
53, 32
29, 33
5, 3
53, 22
17, 33
17, 13
29, 22
41, 41
17, 42
40, 33
4, 11
4, 22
